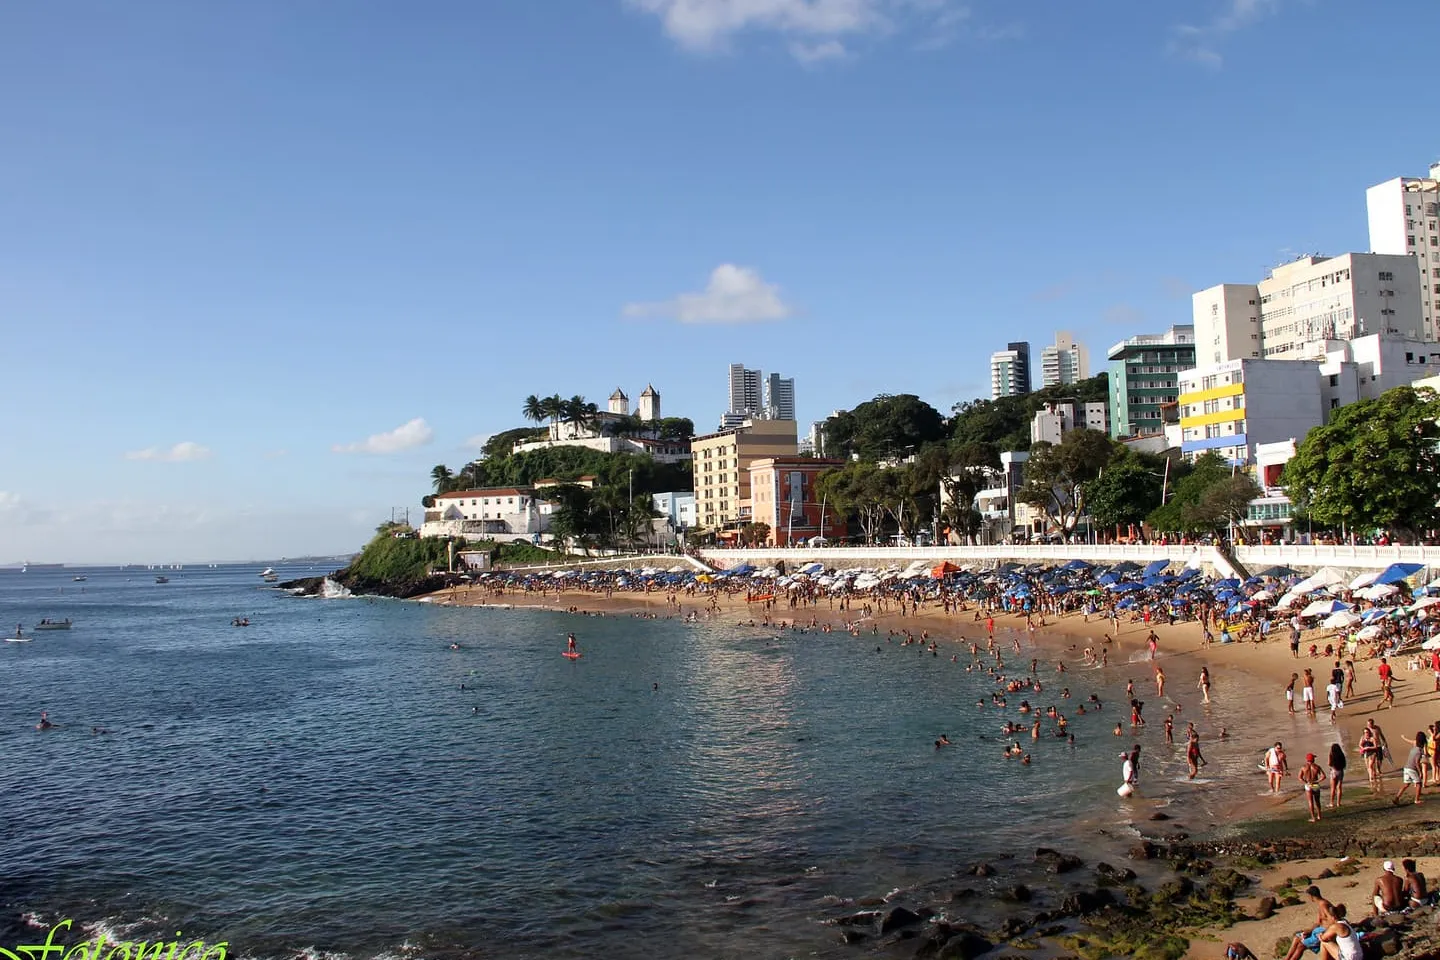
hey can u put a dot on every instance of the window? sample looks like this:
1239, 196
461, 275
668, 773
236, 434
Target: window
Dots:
1334, 402
1410, 241
1387, 275
1334, 379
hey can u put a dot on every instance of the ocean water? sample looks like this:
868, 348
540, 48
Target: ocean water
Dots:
320, 783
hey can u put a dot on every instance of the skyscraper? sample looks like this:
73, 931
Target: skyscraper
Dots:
1010, 371
1064, 361
745, 393
779, 397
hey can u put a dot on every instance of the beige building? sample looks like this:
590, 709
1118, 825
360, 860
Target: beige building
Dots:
1307, 301
722, 466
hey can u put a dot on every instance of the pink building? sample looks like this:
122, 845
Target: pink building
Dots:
782, 495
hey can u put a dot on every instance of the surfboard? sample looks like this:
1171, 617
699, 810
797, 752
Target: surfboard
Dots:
18, 639
570, 656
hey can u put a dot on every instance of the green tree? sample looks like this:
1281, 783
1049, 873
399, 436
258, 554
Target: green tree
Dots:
442, 479
1057, 476
884, 428
1375, 465
1226, 503
856, 490
1180, 513
1126, 492
534, 409
755, 534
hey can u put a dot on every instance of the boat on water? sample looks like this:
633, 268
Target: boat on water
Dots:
162, 579
48, 624
268, 572
79, 579
28, 567
271, 578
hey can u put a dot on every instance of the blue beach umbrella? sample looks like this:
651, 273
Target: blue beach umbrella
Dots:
1397, 572
1155, 566
1127, 587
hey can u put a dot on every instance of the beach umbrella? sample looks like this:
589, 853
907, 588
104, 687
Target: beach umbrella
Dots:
1189, 573
1108, 578
1125, 566
1321, 608
943, 568
1378, 592
1426, 603
1369, 633
1397, 572
1432, 644
1127, 586
1125, 604
1276, 572
1364, 580
1262, 595
1227, 582
1370, 616
1076, 565
1340, 620
1155, 566
813, 568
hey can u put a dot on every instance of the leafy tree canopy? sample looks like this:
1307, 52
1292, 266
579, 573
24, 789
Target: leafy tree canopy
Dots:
1005, 423
883, 428
1057, 476
1373, 466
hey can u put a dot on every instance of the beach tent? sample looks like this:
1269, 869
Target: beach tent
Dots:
1155, 566
943, 568
1340, 620
1322, 607
1397, 572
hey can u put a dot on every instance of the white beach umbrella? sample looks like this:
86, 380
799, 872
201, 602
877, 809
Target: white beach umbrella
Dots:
1340, 621
1378, 592
1432, 644
1322, 607
1369, 633
1262, 595
1425, 603
1364, 580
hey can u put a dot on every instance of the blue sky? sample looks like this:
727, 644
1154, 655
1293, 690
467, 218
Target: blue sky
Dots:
264, 263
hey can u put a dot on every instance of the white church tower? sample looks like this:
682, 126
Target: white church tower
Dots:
619, 403
650, 403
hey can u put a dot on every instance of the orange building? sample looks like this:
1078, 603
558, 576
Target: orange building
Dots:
782, 495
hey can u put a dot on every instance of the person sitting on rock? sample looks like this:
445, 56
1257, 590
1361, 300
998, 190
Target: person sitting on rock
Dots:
1389, 890
1310, 940
1415, 889
1238, 951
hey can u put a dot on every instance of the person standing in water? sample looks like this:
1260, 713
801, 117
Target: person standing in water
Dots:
1311, 776
1159, 681
570, 643
1204, 683
1336, 763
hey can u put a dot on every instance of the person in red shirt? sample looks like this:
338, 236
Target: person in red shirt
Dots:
1387, 676
1435, 667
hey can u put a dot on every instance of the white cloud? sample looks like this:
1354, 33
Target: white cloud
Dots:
733, 295
416, 433
180, 453
478, 441
1200, 42
816, 28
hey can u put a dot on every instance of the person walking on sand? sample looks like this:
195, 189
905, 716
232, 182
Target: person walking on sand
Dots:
1290, 693
1336, 762
1310, 776
1204, 683
1307, 693
1152, 641
1275, 766
1410, 775
1387, 679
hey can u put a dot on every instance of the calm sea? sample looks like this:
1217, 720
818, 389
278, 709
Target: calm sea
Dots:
320, 783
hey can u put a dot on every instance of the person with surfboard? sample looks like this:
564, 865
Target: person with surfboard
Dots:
571, 651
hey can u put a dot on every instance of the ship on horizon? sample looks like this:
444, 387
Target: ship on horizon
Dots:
28, 567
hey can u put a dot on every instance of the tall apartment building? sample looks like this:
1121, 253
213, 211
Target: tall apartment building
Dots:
1404, 218
1063, 361
1010, 371
1308, 301
1144, 375
745, 391
722, 467
779, 397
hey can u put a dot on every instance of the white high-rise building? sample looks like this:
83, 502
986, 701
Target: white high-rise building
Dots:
1308, 301
1405, 221
1064, 361
1010, 371
779, 397
745, 393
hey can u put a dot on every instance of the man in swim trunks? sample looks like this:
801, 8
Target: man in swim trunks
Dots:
1310, 776
1275, 766
1388, 894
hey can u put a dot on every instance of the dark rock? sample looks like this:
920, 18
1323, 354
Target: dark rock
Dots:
864, 918
1174, 890
1053, 930
964, 893
853, 936
1114, 874
1325, 874
965, 946
870, 902
1013, 927
1057, 862
1159, 816
1017, 894
1265, 909
1144, 851
1082, 902
982, 870
899, 917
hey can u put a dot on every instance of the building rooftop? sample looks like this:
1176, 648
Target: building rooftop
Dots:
486, 492
1182, 334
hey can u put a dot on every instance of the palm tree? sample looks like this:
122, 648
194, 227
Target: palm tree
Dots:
554, 407
442, 478
534, 409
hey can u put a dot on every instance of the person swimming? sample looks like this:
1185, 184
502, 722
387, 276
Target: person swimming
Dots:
944, 741
44, 723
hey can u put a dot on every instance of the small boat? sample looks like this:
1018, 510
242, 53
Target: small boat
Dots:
271, 577
79, 579
162, 579
267, 572
48, 624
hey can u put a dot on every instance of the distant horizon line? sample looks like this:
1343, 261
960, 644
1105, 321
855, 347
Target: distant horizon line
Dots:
20, 564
